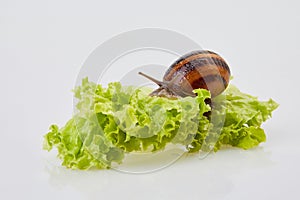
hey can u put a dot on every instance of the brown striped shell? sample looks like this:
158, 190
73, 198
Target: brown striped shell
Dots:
197, 69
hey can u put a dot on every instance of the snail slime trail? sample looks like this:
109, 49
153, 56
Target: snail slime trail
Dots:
197, 69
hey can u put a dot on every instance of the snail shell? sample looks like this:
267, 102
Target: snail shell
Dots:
197, 69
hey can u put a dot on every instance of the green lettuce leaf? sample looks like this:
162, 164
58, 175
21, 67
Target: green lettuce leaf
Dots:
110, 122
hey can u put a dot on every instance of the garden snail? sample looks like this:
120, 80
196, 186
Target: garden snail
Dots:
197, 69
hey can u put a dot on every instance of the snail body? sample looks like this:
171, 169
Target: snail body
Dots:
197, 69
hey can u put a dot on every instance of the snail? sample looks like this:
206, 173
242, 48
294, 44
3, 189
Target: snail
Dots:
197, 69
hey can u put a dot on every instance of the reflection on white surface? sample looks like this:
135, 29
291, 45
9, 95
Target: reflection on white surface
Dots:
149, 162
212, 177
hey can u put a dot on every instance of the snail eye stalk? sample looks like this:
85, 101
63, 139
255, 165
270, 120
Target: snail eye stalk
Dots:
159, 83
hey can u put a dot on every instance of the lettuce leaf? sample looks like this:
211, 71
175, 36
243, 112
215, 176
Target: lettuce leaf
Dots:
110, 122
242, 116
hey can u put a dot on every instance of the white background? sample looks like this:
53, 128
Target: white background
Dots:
44, 43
